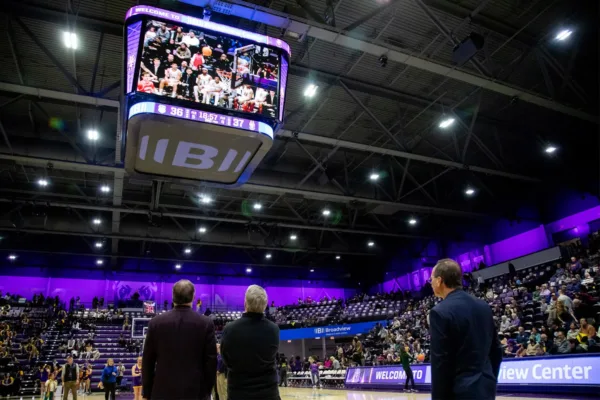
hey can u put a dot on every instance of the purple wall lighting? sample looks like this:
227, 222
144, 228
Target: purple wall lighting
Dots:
133, 39
576, 220
519, 245
213, 295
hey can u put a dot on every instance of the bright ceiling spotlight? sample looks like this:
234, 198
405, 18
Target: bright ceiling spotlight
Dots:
187, 250
338, 257
371, 243
105, 188
563, 34
12, 257
99, 245
550, 149
470, 191
293, 237
205, 199
326, 212
257, 206
312, 270
248, 270
374, 176
412, 221
446, 122
177, 266
71, 41
268, 256
93, 135
310, 90
99, 262
202, 229
42, 182
96, 221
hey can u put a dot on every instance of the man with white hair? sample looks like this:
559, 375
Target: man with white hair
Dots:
249, 347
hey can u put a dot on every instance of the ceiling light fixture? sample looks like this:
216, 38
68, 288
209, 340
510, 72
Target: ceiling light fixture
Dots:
326, 212
412, 221
205, 199
187, 250
563, 35
310, 90
177, 266
550, 149
470, 192
99, 262
105, 188
374, 176
93, 135
371, 244
248, 270
445, 123
257, 206
268, 256
12, 257
42, 182
70, 40
99, 245
338, 257
312, 270
293, 237
96, 221
202, 229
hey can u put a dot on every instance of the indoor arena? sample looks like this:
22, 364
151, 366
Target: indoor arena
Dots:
299, 199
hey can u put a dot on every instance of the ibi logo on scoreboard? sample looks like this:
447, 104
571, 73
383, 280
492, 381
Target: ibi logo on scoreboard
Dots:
193, 144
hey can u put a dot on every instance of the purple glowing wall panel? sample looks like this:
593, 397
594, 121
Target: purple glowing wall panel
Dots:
574, 220
519, 245
23, 285
123, 290
317, 293
133, 41
86, 289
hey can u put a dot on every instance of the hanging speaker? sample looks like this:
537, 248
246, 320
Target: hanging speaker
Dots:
467, 48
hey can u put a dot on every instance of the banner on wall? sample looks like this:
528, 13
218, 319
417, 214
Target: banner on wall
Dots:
570, 370
328, 331
123, 290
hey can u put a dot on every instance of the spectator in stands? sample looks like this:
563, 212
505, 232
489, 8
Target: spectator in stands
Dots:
573, 331
535, 335
198, 305
126, 322
514, 322
533, 348
70, 378
561, 344
522, 336
335, 364
122, 341
545, 344
358, 352
505, 324
121, 368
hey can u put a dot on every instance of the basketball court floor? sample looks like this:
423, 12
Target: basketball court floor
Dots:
325, 394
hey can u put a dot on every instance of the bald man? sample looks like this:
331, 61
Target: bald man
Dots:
180, 351
465, 351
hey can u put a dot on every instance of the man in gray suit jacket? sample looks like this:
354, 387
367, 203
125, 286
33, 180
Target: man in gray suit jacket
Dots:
465, 350
180, 351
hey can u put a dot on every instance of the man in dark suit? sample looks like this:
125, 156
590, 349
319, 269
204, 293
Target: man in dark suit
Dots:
249, 347
180, 351
465, 351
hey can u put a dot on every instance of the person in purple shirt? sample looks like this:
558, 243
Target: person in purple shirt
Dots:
314, 373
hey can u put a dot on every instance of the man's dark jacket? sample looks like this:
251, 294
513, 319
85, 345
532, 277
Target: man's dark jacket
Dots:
180, 356
249, 348
465, 351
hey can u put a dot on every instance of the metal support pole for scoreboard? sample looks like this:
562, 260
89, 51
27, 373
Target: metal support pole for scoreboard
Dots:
303, 349
324, 343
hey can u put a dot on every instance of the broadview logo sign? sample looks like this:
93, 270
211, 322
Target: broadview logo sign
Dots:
165, 140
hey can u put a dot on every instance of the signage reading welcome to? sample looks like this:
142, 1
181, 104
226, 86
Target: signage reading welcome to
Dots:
327, 331
574, 370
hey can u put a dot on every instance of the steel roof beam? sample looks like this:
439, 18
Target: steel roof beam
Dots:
340, 37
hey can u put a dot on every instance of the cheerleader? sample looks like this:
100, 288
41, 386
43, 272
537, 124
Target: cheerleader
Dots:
136, 373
